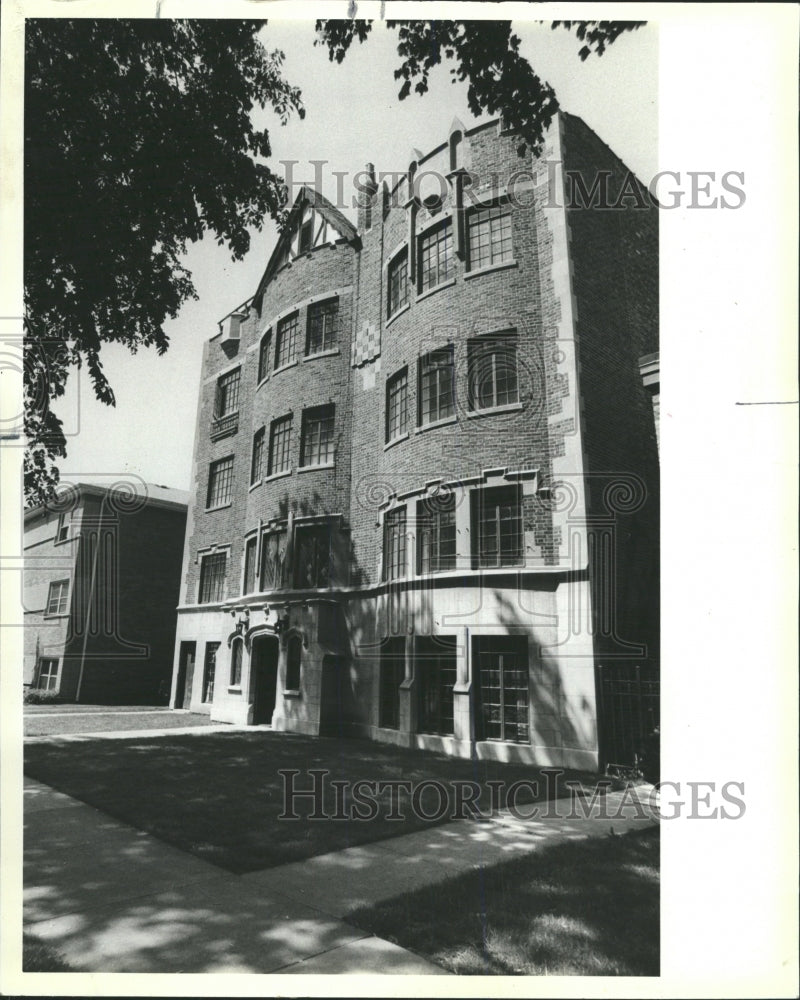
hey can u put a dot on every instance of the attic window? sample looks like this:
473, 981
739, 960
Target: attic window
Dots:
306, 236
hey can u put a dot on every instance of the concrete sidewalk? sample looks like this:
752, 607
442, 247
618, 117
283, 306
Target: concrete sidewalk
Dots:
114, 899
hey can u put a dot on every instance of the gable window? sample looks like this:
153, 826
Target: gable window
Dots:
436, 257
492, 365
286, 341
250, 565
220, 483
323, 327
306, 236
57, 597
263, 355
312, 558
63, 528
317, 446
394, 544
294, 659
280, 455
436, 534
212, 577
490, 240
436, 384
497, 536
236, 662
227, 401
209, 671
397, 295
392, 672
397, 405
501, 669
48, 674
273, 553
257, 460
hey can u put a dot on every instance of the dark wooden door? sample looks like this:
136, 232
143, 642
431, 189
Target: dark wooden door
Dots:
183, 689
265, 678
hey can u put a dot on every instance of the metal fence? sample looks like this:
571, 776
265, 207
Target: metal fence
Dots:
629, 698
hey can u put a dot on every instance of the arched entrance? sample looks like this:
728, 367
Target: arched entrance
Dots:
264, 673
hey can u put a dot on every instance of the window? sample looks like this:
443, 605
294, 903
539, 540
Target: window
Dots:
436, 534
436, 674
501, 665
490, 237
273, 553
392, 673
263, 356
394, 544
236, 663
397, 405
323, 327
209, 670
48, 674
312, 556
492, 364
280, 456
437, 388
250, 547
258, 456
306, 236
64, 524
220, 482
398, 284
212, 577
227, 400
286, 341
497, 527
57, 597
436, 257
317, 437
294, 657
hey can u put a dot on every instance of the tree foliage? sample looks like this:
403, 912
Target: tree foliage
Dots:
138, 140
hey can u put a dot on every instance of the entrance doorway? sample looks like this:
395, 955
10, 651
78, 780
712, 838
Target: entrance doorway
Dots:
183, 689
264, 667
335, 696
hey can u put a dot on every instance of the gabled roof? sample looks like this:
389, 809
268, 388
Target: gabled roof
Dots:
306, 196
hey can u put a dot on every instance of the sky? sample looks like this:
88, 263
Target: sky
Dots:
352, 117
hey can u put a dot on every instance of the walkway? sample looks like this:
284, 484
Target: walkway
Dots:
114, 899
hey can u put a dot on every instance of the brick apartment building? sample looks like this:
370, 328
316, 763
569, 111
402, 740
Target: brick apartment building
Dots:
100, 588
425, 496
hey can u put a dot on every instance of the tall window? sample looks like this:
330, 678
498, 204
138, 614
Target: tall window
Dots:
436, 257
280, 436
227, 400
48, 674
212, 577
273, 553
286, 341
220, 482
236, 662
397, 405
501, 668
62, 530
392, 672
209, 671
436, 534
312, 556
490, 239
436, 674
436, 386
294, 659
397, 295
317, 447
57, 597
263, 355
250, 547
258, 456
497, 536
394, 544
323, 326
492, 365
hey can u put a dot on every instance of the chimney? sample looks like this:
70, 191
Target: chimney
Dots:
366, 187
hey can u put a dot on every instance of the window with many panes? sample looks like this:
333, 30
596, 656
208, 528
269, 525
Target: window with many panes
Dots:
263, 355
394, 544
237, 650
57, 597
497, 536
220, 482
436, 677
323, 326
209, 671
212, 577
392, 672
490, 240
62, 530
436, 386
317, 445
436, 257
227, 400
280, 438
436, 534
273, 554
397, 294
286, 341
257, 461
48, 674
312, 555
397, 405
492, 366
250, 547
501, 669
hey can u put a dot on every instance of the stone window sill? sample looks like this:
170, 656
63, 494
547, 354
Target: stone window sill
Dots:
399, 312
502, 266
316, 468
221, 506
332, 352
292, 693
277, 475
397, 440
490, 411
284, 368
437, 288
436, 423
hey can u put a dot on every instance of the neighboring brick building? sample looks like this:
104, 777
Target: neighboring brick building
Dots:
101, 584
425, 497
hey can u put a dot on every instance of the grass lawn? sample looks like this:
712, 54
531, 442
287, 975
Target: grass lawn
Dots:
57, 724
40, 957
220, 795
586, 908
